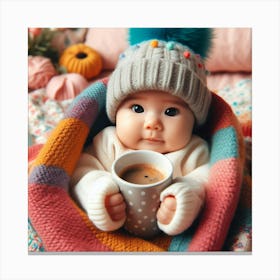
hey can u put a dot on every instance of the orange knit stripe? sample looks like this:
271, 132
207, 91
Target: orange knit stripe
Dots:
64, 145
120, 242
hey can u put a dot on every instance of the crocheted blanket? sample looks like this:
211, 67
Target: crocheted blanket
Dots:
63, 226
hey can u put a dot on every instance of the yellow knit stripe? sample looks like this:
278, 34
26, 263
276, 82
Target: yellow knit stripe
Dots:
121, 242
64, 145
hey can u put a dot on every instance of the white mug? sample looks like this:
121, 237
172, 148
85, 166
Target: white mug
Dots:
142, 194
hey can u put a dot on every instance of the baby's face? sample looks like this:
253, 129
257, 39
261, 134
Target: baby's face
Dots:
154, 120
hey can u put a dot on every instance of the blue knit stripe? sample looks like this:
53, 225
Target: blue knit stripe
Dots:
180, 243
224, 145
96, 91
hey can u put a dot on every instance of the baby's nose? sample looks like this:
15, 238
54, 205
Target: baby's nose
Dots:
153, 122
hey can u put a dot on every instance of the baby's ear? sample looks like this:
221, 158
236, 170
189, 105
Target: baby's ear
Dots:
196, 127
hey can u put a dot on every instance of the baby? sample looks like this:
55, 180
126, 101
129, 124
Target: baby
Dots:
155, 97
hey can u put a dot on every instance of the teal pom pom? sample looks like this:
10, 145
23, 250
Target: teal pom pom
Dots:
197, 39
138, 35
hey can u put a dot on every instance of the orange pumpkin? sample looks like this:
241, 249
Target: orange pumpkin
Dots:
81, 59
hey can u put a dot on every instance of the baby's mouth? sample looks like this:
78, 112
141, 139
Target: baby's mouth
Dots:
154, 140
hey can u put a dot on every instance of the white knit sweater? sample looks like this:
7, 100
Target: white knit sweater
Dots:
92, 181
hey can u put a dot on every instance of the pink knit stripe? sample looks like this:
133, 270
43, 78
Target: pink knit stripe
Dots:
33, 151
58, 221
223, 191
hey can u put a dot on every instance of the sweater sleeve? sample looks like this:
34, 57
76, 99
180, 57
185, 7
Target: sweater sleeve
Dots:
91, 192
92, 181
188, 190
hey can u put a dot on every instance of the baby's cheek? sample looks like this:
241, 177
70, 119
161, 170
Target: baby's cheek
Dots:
126, 136
182, 137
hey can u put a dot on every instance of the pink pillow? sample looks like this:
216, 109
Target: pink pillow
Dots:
109, 43
66, 86
232, 47
232, 50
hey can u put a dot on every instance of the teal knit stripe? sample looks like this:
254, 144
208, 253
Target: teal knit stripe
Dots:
224, 145
95, 91
180, 243
87, 105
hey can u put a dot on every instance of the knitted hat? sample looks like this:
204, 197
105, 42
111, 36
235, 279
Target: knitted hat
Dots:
164, 65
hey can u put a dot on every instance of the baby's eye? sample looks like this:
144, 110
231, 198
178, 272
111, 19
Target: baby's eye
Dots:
137, 108
171, 112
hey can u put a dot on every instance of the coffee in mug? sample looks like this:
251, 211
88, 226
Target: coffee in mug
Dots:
141, 173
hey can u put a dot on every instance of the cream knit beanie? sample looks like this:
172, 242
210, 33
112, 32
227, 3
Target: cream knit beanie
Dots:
160, 65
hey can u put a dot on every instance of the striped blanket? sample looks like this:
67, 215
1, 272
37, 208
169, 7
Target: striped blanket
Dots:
64, 227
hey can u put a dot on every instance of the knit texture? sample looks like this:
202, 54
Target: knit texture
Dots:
162, 66
63, 226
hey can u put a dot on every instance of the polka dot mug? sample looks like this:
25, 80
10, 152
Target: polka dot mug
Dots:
141, 176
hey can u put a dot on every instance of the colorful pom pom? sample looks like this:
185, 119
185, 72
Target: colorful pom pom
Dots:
154, 43
187, 54
170, 46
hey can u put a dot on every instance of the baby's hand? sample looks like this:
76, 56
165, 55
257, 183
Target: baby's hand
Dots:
167, 210
115, 206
